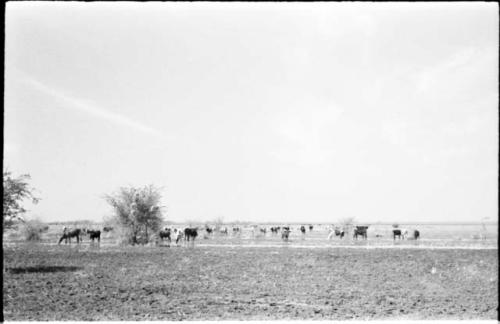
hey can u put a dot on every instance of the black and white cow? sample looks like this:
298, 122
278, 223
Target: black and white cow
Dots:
335, 231
285, 233
397, 233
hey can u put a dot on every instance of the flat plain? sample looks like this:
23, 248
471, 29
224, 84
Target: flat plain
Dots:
250, 278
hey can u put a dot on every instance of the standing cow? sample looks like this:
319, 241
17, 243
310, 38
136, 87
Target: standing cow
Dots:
190, 234
360, 231
285, 233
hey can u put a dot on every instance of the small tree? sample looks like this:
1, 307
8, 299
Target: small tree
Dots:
137, 212
347, 223
15, 191
32, 230
218, 221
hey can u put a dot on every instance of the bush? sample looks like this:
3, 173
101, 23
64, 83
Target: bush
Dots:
31, 230
137, 213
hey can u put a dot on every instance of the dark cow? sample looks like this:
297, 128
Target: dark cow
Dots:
360, 231
107, 229
303, 229
310, 228
236, 230
397, 233
416, 234
68, 234
208, 230
275, 229
93, 235
263, 231
190, 233
165, 235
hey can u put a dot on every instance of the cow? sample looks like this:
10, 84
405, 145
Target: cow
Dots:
94, 234
190, 234
415, 235
303, 230
310, 228
263, 231
275, 230
337, 232
208, 230
223, 230
236, 230
165, 234
177, 235
285, 233
398, 233
68, 234
107, 229
360, 231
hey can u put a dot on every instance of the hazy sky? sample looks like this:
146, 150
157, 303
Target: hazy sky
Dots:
256, 111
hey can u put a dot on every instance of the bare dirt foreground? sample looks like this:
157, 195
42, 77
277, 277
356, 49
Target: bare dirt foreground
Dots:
213, 283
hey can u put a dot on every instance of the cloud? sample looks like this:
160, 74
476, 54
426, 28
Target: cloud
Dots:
93, 110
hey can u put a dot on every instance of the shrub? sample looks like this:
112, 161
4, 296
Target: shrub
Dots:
31, 230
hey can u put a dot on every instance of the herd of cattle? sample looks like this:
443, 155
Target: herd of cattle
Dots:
189, 234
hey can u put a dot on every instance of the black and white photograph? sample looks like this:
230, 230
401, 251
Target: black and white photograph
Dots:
250, 161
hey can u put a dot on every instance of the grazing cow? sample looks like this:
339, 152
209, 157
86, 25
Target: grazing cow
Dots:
68, 234
190, 234
310, 228
285, 233
337, 232
360, 231
94, 235
107, 229
398, 233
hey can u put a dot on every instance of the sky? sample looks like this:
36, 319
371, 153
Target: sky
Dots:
286, 112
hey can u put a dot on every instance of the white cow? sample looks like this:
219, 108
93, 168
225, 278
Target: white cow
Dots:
177, 235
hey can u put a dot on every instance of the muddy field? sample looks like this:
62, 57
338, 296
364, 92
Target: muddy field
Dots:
215, 282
